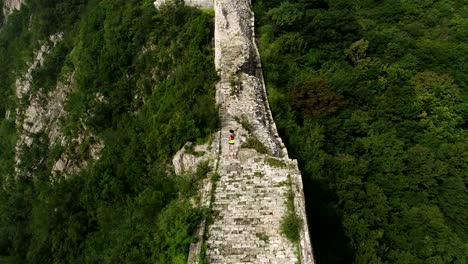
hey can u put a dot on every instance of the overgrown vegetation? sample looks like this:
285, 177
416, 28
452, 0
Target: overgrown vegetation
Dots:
155, 72
2, 18
371, 98
291, 224
274, 162
253, 143
245, 123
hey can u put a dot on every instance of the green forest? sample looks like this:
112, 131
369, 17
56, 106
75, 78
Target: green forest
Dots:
127, 207
371, 97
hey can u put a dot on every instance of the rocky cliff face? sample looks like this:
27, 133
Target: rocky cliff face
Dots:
38, 121
196, 3
10, 5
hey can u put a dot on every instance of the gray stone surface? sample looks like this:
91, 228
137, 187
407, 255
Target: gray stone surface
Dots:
241, 90
241, 94
251, 193
248, 207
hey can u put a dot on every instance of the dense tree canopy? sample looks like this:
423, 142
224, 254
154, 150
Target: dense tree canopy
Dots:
371, 97
155, 71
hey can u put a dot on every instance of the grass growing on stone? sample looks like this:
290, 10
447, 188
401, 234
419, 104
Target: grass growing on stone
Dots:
214, 180
254, 143
281, 184
203, 169
258, 174
203, 256
275, 162
189, 149
263, 237
209, 217
235, 84
245, 123
291, 224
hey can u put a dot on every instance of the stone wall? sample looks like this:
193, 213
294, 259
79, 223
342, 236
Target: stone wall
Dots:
250, 199
241, 91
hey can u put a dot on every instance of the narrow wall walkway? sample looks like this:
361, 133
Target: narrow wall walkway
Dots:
250, 198
251, 195
248, 207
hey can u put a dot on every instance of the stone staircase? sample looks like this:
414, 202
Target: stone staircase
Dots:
254, 191
248, 207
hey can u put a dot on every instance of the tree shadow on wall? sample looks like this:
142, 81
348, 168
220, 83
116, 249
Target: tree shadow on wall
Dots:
329, 241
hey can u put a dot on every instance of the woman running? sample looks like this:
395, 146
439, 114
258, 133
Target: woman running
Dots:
232, 142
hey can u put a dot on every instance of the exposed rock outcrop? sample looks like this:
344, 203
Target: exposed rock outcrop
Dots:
10, 5
196, 3
190, 156
38, 118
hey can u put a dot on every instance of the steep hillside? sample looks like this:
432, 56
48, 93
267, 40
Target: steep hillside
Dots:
96, 98
371, 98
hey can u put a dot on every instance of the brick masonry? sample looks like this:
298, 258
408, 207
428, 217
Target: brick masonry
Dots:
249, 199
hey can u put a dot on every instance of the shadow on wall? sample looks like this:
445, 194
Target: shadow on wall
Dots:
329, 241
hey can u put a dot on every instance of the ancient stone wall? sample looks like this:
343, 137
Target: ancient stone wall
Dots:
250, 199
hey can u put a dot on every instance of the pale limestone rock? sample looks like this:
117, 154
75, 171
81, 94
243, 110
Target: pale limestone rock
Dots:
187, 162
196, 3
67, 165
30, 120
43, 113
10, 5
23, 85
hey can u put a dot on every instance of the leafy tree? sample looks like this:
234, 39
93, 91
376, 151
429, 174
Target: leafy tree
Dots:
144, 84
379, 169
